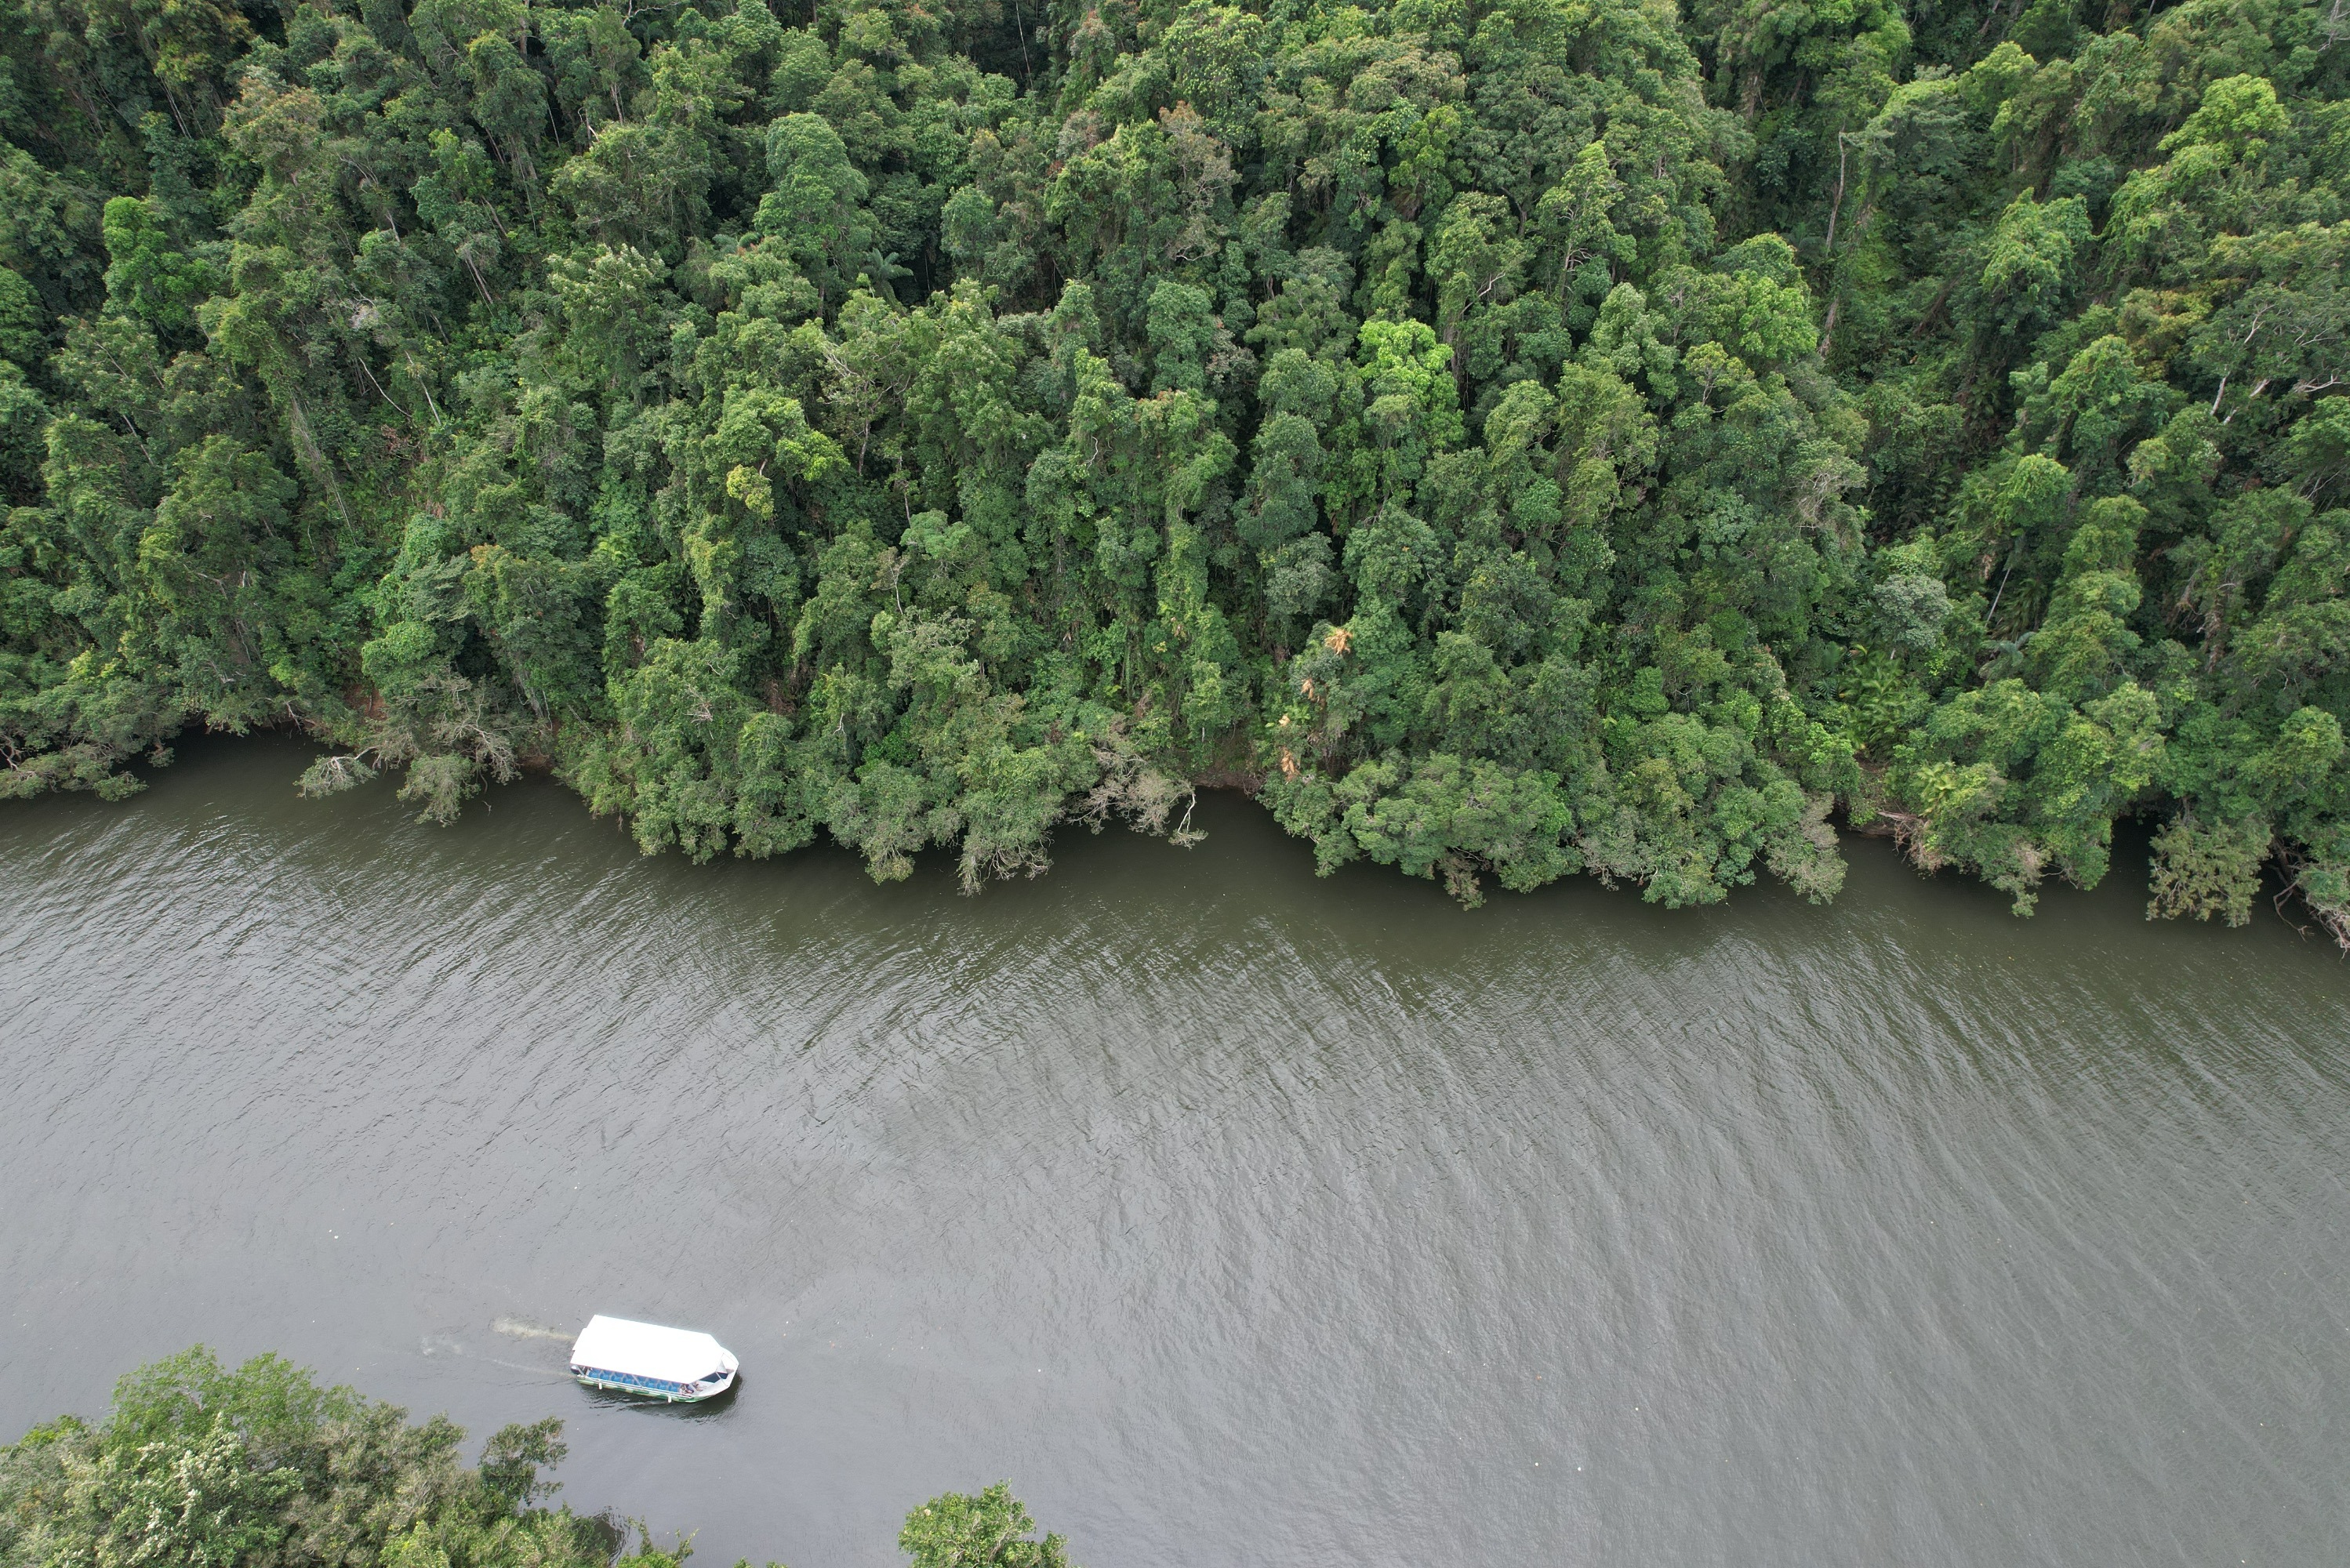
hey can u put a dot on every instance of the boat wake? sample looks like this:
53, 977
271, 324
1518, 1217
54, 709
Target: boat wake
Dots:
441, 1345
520, 1330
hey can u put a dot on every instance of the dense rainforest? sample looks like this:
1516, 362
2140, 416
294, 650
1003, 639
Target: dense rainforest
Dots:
201, 1466
1515, 437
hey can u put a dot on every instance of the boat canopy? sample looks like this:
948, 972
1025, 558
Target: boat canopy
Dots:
648, 1350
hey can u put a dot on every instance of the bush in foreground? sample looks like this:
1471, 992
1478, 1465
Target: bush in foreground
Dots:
200, 1466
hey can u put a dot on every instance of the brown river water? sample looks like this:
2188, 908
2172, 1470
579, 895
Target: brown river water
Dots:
1236, 1216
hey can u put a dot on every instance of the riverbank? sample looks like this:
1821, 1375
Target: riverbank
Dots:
2276, 898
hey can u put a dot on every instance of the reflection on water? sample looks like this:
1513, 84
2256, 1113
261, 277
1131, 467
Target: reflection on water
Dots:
1236, 1216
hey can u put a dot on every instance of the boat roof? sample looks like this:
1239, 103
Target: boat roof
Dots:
647, 1349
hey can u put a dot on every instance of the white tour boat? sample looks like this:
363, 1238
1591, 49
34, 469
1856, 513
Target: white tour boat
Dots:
673, 1364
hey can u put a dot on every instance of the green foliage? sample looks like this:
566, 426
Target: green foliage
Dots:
204, 1465
1568, 438
198, 1465
989, 1531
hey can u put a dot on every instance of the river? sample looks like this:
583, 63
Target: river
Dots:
1237, 1217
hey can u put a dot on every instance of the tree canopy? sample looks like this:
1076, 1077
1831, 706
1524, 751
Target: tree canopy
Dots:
1517, 440
202, 1466
197, 1465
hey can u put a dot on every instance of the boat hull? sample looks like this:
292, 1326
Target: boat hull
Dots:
654, 1387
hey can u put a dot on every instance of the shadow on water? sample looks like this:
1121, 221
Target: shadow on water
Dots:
713, 1408
245, 786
